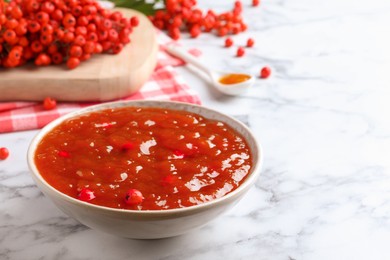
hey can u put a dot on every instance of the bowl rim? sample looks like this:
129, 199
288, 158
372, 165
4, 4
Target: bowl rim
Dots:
255, 172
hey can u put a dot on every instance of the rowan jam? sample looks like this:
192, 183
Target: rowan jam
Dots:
143, 158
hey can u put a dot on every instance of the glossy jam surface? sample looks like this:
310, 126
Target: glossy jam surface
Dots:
230, 79
174, 158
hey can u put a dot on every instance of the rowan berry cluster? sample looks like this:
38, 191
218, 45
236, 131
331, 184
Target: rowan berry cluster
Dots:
58, 31
183, 15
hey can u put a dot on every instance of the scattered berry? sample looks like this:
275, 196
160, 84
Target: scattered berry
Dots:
4, 153
240, 52
49, 103
133, 197
250, 42
86, 195
255, 2
228, 42
265, 72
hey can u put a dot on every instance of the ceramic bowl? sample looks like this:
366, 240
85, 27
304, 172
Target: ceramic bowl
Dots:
150, 224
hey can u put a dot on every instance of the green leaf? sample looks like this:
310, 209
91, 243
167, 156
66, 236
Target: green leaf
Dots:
142, 6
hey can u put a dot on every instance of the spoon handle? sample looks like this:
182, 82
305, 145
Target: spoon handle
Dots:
184, 55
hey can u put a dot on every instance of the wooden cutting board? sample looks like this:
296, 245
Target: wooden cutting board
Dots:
103, 77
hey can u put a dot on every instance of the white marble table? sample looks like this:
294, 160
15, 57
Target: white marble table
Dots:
323, 119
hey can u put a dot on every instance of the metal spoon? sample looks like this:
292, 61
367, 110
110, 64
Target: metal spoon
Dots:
217, 77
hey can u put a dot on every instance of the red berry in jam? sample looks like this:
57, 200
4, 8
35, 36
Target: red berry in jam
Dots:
127, 146
178, 153
265, 72
133, 197
86, 195
168, 180
4, 153
63, 154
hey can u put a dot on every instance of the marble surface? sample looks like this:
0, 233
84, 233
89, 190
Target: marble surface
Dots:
322, 119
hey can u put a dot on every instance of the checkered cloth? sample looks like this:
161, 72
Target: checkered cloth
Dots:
164, 84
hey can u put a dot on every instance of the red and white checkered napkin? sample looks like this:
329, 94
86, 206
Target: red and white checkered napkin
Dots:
164, 84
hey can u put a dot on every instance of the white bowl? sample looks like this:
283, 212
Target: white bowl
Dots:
153, 223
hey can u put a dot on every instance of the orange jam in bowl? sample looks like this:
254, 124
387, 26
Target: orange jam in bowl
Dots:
143, 158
